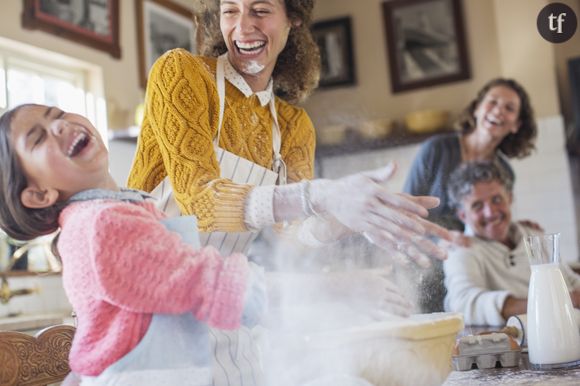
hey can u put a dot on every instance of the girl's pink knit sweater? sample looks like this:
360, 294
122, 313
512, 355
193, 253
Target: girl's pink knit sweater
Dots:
121, 265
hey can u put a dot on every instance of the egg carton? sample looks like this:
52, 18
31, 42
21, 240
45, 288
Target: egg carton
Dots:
485, 352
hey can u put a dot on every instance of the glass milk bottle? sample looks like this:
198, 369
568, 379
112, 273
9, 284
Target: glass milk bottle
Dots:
552, 333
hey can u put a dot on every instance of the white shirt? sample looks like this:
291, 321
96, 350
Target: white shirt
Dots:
481, 277
236, 79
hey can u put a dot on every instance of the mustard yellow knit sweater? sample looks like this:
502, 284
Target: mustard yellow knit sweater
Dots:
180, 122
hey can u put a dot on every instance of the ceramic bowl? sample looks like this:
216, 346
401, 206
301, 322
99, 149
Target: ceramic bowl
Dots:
375, 129
426, 121
400, 352
332, 135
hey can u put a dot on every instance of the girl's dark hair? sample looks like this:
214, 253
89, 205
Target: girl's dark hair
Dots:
516, 145
297, 69
18, 221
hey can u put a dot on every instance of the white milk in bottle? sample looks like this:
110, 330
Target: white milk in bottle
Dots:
552, 333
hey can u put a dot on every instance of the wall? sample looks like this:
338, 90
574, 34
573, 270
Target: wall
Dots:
494, 30
525, 55
121, 77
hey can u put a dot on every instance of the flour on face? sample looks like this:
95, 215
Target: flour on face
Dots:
252, 67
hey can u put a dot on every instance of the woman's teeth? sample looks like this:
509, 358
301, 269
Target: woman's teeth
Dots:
249, 48
494, 121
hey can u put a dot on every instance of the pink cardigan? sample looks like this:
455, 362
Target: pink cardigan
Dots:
121, 265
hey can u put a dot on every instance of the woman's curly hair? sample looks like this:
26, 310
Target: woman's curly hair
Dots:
517, 145
297, 69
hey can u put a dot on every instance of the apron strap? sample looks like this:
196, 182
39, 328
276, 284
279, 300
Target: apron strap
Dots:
221, 89
278, 164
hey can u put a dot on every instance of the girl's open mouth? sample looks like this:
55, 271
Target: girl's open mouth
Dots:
80, 141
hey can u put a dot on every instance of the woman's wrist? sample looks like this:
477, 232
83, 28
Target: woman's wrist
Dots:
259, 211
266, 205
316, 195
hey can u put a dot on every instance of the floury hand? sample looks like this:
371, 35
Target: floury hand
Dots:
393, 221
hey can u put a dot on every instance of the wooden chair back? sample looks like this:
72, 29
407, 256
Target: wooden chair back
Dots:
38, 360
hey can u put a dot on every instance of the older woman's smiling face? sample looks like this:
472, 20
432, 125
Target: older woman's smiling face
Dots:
255, 32
498, 112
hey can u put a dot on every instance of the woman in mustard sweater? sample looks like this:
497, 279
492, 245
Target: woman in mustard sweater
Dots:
223, 133
211, 122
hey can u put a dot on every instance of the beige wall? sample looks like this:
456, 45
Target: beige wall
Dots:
120, 76
525, 55
502, 41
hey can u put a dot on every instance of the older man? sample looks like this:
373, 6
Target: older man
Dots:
488, 281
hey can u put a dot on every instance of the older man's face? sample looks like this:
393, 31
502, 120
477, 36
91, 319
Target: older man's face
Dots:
487, 211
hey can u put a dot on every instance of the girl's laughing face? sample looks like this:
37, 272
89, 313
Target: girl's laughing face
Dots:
59, 152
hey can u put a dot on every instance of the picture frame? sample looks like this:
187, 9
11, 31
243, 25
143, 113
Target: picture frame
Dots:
94, 23
161, 25
426, 43
334, 39
573, 136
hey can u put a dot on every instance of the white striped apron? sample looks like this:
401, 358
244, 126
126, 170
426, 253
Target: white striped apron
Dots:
237, 359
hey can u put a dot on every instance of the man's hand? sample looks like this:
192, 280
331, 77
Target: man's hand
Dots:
513, 306
575, 296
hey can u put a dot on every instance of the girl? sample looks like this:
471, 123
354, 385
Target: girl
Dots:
143, 296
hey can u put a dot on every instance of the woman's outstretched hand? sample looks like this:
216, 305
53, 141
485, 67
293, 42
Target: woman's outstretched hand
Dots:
393, 221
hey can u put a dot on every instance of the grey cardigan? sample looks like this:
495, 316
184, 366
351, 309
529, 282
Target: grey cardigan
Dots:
429, 175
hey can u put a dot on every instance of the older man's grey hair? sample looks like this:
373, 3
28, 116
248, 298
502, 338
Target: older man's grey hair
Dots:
463, 179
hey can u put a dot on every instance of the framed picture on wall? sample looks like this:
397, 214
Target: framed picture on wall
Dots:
334, 39
94, 23
425, 43
573, 137
161, 26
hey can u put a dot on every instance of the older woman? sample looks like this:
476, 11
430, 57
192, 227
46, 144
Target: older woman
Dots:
218, 127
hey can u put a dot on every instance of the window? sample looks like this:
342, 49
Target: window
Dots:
33, 75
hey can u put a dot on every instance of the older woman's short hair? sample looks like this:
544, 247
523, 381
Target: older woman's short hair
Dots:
463, 179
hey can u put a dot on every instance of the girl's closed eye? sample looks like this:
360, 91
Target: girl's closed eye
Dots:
40, 137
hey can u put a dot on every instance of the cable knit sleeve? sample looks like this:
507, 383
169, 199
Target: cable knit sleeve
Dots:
141, 266
298, 141
176, 139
